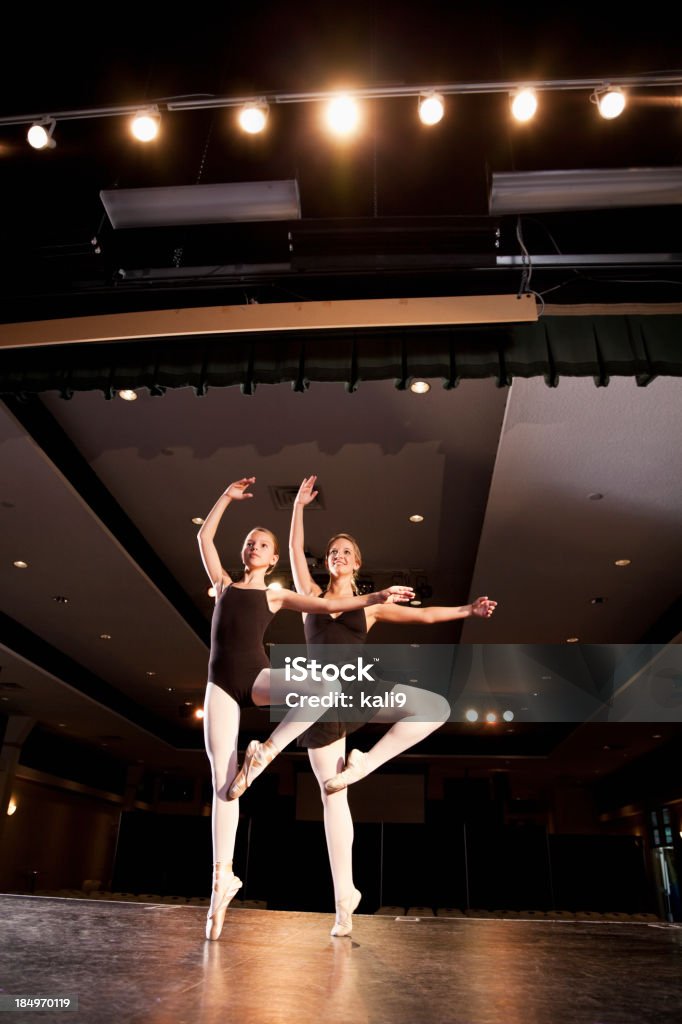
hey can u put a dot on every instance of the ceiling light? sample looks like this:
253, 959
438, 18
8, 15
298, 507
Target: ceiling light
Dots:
572, 639
253, 117
491, 718
416, 518
199, 713
11, 807
342, 115
275, 585
145, 125
584, 189
127, 395
60, 599
420, 387
20, 565
471, 715
610, 101
211, 591
508, 716
197, 520
416, 602
218, 203
619, 561
431, 108
524, 104
105, 636
40, 134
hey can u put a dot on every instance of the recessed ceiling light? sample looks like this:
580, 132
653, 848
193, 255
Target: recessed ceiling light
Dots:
416, 602
619, 561
199, 713
20, 565
62, 725
127, 395
572, 639
597, 600
471, 715
491, 718
197, 520
105, 636
416, 518
60, 599
170, 689
150, 673
211, 591
656, 736
508, 716
4, 698
275, 585
420, 387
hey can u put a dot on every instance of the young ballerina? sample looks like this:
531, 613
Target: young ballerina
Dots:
421, 714
239, 676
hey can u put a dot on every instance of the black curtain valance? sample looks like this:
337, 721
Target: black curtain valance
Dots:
600, 347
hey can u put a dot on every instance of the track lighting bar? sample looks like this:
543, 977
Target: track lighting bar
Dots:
383, 92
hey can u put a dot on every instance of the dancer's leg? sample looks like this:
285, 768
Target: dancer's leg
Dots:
338, 828
338, 824
272, 688
221, 726
422, 713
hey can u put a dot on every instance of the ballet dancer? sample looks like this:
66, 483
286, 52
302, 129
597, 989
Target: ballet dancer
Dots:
239, 676
422, 713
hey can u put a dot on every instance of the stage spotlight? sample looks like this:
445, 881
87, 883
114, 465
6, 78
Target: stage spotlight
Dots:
342, 115
40, 134
610, 101
145, 125
524, 104
253, 117
431, 108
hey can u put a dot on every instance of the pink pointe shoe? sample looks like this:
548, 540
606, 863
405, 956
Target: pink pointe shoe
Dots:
344, 914
353, 771
257, 757
225, 886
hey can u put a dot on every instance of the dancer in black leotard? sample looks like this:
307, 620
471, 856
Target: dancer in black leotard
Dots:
422, 712
239, 677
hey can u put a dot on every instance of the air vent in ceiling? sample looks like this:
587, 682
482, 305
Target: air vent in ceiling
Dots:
284, 495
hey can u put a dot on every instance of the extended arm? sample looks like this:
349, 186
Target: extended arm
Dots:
305, 603
481, 608
209, 554
303, 581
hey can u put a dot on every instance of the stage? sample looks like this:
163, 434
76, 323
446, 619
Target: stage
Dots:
130, 963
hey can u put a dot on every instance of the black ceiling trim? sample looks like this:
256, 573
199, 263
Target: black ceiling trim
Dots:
60, 449
600, 347
44, 656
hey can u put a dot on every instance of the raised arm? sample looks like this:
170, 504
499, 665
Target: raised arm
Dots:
237, 491
303, 581
482, 608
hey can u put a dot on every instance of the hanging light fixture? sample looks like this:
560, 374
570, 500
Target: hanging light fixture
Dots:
610, 101
524, 104
40, 134
145, 124
253, 117
431, 108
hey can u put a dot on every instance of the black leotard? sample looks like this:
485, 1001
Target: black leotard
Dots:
349, 629
240, 618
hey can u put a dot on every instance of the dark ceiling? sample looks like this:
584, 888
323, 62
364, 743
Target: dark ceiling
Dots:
387, 213
97, 496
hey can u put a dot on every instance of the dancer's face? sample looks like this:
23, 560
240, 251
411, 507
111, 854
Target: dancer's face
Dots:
259, 551
342, 559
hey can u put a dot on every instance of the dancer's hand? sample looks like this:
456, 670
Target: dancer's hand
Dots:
306, 494
483, 607
392, 595
238, 490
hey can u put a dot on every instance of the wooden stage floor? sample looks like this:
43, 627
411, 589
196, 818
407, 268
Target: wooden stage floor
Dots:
134, 963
